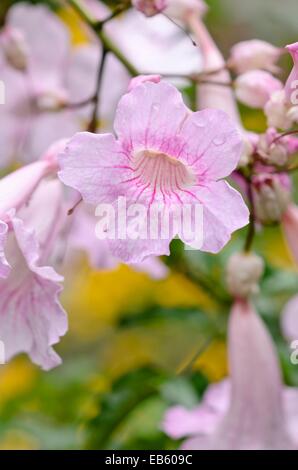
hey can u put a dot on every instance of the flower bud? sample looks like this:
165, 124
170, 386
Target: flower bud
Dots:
51, 100
243, 273
255, 87
273, 150
15, 48
291, 86
276, 110
252, 55
250, 140
271, 197
150, 7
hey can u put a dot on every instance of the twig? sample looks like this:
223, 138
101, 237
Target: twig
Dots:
94, 118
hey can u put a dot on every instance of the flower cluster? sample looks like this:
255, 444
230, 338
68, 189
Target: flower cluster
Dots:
94, 126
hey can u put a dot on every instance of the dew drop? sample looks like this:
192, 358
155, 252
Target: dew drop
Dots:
219, 140
199, 123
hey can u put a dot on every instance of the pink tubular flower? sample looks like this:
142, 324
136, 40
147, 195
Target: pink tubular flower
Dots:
150, 7
254, 88
31, 318
164, 154
254, 54
253, 410
291, 86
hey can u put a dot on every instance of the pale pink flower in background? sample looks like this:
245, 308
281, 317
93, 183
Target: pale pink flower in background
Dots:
14, 47
150, 7
164, 154
31, 317
213, 95
181, 9
282, 108
254, 54
155, 45
136, 81
35, 112
255, 87
289, 319
251, 411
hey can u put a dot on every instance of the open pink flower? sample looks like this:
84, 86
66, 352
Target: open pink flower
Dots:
31, 317
164, 154
252, 410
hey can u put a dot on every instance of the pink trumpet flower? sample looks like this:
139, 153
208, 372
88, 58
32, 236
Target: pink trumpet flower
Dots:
250, 411
31, 317
213, 95
164, 154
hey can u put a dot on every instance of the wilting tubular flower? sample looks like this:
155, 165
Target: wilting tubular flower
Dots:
164, 154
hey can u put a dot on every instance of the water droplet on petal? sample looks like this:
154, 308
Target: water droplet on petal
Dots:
219, 140
199, 123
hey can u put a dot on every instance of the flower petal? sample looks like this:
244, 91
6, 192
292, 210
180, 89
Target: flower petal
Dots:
150, 117
94, 165
4, 266
31, 317
224, 212
214, 144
